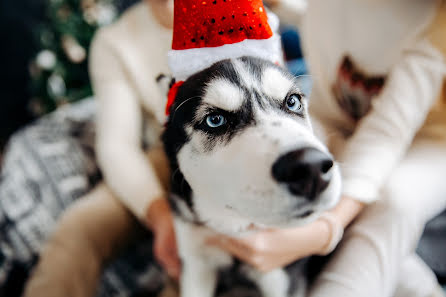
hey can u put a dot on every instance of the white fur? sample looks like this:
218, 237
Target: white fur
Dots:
223, 94
246, 78
200, 261
232, 184
184, 63
275, 84
272, 284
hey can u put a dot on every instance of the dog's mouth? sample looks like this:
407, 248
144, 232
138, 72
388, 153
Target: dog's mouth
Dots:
305, 214
286, 218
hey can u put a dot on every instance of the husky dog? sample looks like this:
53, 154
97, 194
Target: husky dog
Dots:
243, 154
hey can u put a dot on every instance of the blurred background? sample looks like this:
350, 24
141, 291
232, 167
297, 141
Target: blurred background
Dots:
44, 55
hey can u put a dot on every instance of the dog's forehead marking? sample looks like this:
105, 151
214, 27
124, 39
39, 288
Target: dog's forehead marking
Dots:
246, 78
223, 94
275, 84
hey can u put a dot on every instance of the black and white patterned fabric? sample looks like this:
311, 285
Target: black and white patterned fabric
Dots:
47, 166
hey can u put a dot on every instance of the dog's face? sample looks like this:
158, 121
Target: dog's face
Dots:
240, 141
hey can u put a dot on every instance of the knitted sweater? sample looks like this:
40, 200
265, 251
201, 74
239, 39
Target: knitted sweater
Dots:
126, 58
378, 69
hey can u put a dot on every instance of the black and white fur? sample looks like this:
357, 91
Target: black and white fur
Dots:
226, 178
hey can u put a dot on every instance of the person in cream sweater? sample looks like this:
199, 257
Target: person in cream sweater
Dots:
126, 59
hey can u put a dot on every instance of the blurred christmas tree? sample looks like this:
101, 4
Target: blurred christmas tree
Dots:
59, 72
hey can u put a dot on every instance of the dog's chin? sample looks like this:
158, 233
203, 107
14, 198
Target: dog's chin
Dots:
300, 220
234, 222
300, 216
290, 221
239, 226
257, 226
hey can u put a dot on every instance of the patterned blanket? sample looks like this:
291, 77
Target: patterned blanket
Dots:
47, 166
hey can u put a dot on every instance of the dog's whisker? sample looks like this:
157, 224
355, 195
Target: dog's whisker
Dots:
182, 103
174, 173
304, 75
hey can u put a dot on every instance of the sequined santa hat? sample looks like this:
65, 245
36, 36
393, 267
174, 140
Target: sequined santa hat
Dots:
208, 31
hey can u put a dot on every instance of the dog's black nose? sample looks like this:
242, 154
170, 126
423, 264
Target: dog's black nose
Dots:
305, 171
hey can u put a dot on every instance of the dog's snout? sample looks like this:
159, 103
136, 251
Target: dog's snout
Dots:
306, 171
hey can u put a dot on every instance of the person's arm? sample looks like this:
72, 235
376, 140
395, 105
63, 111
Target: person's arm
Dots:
131, 175
384, 135
119, 127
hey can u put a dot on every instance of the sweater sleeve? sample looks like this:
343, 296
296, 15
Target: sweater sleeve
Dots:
121, 158
383, 136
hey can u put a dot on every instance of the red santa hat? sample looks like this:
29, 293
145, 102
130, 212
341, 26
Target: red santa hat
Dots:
208, 31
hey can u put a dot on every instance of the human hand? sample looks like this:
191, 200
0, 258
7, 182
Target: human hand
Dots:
160, 221
274, 248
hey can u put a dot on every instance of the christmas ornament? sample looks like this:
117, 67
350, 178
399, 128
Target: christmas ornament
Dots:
46, 60
106, 14
56, 86
100, 14
74, 51
90, 15
67, 32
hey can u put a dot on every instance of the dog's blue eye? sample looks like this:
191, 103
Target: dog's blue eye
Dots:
293, 103
215, 120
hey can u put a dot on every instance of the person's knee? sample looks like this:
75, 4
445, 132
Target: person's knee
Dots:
69, 263
97, 224
74, 237
89, 233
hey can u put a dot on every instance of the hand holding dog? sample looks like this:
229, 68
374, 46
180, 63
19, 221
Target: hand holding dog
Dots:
160, 221
275, 248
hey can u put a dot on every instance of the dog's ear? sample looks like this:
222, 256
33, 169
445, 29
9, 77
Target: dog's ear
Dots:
164, 82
